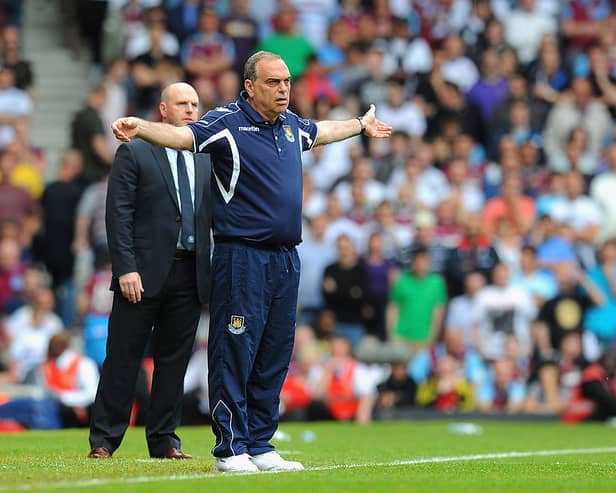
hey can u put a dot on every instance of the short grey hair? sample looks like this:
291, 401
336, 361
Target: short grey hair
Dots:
250, 68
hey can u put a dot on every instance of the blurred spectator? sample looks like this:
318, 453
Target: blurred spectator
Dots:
29, 165
512, 205
314, 17
524, 28
503, 391
535, 281
583, 22
346, 291
95, 307
549, 76
90, 232
425, 238
405, 53
11, 58
207, 53
393, 236
362, 175
575, 155
242, 29
471, 367
398, 391
400, 112
14, 105
16, 204
315, 254
381, 270
466, 194
552, 388
12, 271
332, 54
583, 216
91, 15
601, 320
59, 206
152, 66
294, 48
399, 152
564, 313
70, 381
88, 136
507, 244
502, 311
446, 390
183, 16
568, 114
490, 89
595, 396
29, 330
437, 19
152, 37
372, 87
418, 302
460, 306
603, 191
318, 85
347, 390
115, 80
457, 68
475, 252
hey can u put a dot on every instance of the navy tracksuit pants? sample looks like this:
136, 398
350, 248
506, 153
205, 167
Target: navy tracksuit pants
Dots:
252, 327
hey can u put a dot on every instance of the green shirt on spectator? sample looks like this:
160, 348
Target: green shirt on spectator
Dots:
417, 298
293, 49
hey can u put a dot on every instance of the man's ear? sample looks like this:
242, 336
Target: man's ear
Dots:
250, 88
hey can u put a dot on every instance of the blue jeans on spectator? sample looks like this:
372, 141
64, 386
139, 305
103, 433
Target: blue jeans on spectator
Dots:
34, 414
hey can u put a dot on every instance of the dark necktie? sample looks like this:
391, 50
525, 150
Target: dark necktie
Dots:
188, 215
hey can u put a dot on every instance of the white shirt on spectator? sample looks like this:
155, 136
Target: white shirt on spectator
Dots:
408, 117
500, 312
14, 103
603, 191
462, 72
28, 344
524, 30
374, 193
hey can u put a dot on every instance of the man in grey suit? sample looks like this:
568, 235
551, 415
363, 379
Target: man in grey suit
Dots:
158, 217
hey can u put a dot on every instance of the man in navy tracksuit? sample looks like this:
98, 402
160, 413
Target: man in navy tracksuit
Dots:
255, 144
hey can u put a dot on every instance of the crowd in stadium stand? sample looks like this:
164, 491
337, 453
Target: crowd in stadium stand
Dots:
468, 263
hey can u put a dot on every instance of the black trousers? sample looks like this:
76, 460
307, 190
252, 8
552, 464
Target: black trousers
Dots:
171, 320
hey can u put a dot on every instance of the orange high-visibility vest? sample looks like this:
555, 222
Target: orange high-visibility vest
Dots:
341, 400
62, 379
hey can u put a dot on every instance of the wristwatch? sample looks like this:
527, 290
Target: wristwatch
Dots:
362, 122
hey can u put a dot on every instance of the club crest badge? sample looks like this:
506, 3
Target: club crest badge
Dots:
288, 133
237, 325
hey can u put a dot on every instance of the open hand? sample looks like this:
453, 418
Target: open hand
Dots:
374, 127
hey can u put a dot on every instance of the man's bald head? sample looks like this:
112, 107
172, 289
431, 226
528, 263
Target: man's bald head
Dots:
179, 104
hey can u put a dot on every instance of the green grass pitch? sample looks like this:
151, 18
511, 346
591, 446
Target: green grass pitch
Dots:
388, 457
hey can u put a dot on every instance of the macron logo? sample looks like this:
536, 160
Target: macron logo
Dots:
249, 129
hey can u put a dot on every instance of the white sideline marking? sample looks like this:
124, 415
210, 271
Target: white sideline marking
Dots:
410, 462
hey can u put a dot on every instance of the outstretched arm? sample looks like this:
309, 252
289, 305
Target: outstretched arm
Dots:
333, 131
164, 134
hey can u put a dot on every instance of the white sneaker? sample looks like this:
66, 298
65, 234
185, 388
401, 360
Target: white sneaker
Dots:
271, 461
235, 463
